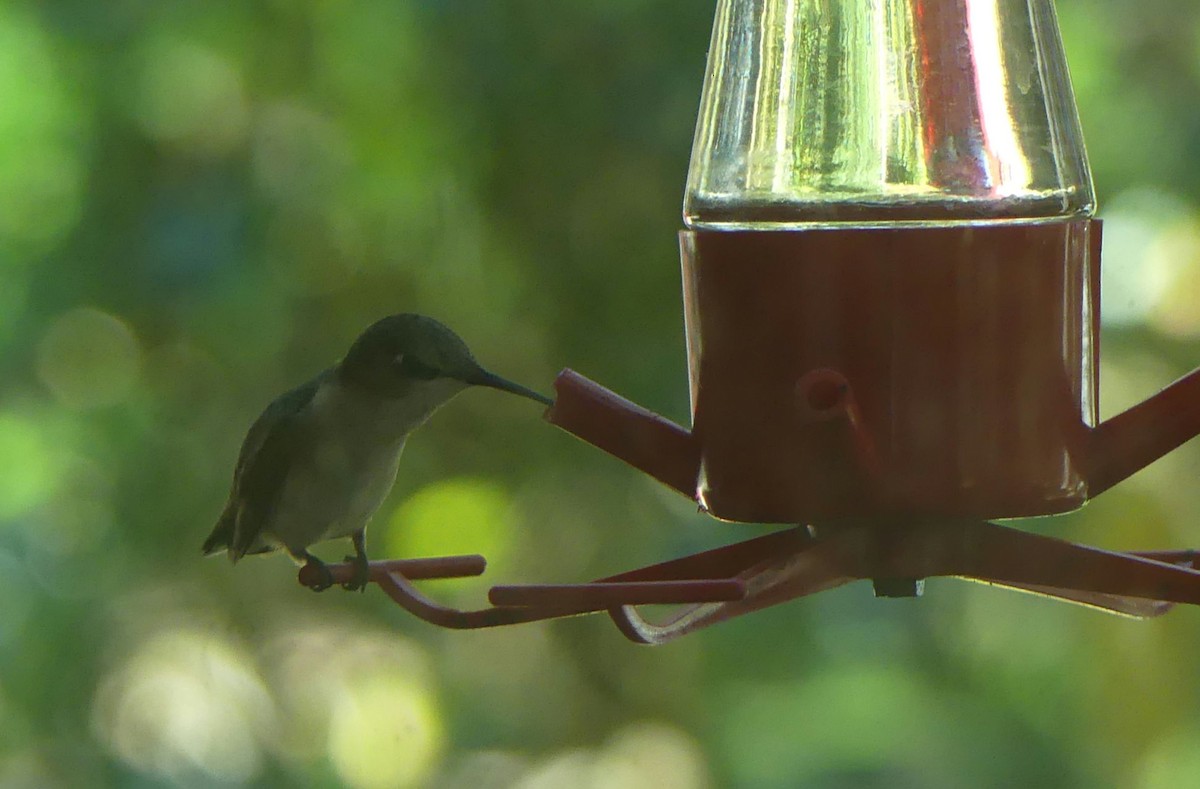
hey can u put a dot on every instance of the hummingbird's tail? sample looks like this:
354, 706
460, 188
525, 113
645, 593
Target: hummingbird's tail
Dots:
222, 534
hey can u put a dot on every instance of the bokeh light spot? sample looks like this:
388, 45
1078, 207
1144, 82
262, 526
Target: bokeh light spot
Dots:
1172, 762
29, 468
41, 131
1176, 253
318, 670
88, 359
460, 515
186, 702
191, 97
1137, 276
639, 756
385, 732
299, 156
651, 756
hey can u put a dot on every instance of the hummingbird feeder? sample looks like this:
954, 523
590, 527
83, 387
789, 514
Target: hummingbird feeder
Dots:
891, 290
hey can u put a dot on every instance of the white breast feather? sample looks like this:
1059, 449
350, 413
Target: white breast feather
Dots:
359, 440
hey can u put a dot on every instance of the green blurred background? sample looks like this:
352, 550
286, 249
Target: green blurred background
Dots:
202, 203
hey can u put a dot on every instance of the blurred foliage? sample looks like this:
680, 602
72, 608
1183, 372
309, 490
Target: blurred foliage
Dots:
201, 203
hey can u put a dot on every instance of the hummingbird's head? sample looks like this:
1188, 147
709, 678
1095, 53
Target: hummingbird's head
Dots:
407, 354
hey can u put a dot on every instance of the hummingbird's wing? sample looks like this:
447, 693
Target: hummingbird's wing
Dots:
275, 440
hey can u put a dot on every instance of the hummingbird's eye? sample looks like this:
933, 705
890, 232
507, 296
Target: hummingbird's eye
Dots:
413, 367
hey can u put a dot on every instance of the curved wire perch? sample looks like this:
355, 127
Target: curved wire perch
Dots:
407, 597
535, 603
394, 578
727, 582
564, 601
712, 586
417, 569
601, 595
812, 568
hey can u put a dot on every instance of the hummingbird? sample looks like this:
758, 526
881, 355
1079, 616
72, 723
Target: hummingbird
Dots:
321, 458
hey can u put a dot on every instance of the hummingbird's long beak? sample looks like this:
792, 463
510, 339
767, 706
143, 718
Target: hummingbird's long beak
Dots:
484, 378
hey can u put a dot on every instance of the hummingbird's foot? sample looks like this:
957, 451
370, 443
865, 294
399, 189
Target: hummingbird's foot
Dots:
322, 570
362, 574
362, 570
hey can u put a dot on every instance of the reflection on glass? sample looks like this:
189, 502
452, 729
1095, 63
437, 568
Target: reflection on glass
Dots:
881, 110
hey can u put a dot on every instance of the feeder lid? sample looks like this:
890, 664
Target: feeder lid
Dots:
869, 112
